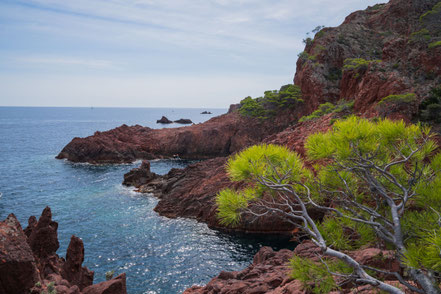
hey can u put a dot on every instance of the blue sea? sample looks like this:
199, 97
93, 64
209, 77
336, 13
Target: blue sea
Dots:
120, 230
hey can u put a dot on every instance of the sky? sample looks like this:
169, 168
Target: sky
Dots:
154, 53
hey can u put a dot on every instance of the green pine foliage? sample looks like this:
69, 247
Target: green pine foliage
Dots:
435, 44
398, 99
422, 35
357, 64
289, 96
346, 235
328, 107
314, 276
337, 178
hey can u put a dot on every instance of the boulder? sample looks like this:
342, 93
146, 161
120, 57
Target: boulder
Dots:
139, 176
116, 285
18, 269
164, 120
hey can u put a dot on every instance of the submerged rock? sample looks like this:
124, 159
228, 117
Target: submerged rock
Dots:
164, 120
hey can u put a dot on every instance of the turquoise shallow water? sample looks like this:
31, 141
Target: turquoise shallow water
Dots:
119, 228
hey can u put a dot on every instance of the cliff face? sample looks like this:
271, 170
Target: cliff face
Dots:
393, 43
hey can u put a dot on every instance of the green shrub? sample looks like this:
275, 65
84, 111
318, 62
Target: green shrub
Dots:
398, 99
375, 7
430, 108
358, 64
304, 56
273, 101
319, 34
308, 41
327, 108
109, 275
435, 11
315, 277
431, 26
434, 44
50, 289
422, 35
252, 107
334, 74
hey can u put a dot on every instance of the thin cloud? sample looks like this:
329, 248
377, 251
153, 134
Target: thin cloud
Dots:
68, 61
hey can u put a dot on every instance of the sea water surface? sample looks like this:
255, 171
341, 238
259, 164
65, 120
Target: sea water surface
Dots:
120, 230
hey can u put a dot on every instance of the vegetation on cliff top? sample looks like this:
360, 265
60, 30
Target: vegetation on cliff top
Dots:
289, 96
380, 180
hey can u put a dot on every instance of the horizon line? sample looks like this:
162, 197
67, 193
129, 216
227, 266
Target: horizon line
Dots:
92, 107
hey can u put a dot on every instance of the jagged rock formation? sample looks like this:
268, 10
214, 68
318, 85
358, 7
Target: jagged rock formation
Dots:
139, 176
29, 263
18, 269
164, 120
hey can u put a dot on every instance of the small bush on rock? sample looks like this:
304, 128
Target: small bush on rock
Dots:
403, 103
326, 108
358, 64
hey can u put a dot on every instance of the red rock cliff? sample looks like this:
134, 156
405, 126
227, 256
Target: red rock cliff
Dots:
388, 38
